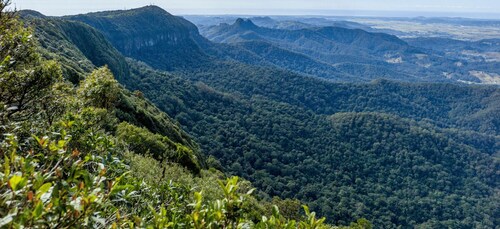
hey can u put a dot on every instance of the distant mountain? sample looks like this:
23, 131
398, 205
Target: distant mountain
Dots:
31, 14
339, 40
356, 49
393, 58
276, 22
167, 42
150, 34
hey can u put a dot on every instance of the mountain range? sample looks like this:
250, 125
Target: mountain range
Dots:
353, 123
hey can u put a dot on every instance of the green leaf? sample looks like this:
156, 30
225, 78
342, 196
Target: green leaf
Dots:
43, 142
53, 147
43, 189
6, 165
61, 144
276, 212
37, 212
306, 209
17, 182
119, 188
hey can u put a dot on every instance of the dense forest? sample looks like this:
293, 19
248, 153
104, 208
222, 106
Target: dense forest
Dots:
399, 154
291, 151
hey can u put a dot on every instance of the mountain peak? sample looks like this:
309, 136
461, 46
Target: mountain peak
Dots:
145, 10
152, 8
245, 24
31, 14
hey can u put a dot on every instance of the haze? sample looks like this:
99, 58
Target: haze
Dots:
448, 8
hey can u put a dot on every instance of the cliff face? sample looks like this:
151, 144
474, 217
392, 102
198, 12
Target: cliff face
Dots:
151, 34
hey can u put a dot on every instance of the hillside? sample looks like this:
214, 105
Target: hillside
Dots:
74, 43
288, 151
350, 150
77, 45
132, 33
479, 56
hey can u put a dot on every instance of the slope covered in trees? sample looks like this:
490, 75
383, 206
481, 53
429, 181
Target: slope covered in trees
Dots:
293, 152
149, 34
395, 153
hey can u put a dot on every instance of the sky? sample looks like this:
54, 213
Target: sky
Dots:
452, 8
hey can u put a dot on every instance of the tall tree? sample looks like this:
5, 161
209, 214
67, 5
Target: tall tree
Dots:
25, 78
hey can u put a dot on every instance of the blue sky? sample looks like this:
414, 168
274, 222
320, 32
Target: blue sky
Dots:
474, 8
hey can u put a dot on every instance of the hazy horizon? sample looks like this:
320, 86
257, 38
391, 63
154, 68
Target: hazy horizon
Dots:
486, 9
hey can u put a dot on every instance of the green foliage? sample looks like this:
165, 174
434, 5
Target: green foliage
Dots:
135, 109
94, 46
100, 89
26, 79
343, 166
48, 183
54, 185
281, 147
289, 208
54, 45
160, 147
71, 43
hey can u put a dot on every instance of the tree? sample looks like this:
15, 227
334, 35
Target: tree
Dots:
100, 89
25, 78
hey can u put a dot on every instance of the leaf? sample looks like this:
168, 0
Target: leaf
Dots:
61, 143
43, 142
43, 189
12, 108
38, 210
276, 211
53, 147
16, 182
250, 191
6, 220
117, 181
6, 165
119, 188
306, 209
85, 175
99, 220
